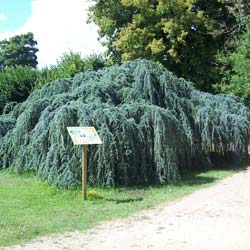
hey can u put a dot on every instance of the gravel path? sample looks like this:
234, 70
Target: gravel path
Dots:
215, 218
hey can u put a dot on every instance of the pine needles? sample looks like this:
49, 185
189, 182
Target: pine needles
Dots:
153, 125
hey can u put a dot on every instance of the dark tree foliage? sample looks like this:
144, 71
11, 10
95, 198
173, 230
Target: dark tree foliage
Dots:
18, 50
16, 84
154, 126
95, 62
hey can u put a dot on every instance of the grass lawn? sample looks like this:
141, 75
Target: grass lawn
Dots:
30, 208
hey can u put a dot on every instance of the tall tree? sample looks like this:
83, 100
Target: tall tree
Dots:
18, 50
184, 35
236, 70
234, 57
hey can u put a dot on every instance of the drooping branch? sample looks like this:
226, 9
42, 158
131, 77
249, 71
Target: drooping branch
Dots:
153, 125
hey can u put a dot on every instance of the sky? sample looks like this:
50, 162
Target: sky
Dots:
59, 26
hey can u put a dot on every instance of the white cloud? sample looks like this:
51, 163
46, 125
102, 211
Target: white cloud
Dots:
3, 17
60, 26
6, 34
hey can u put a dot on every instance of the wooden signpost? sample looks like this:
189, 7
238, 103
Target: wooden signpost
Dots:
84, 136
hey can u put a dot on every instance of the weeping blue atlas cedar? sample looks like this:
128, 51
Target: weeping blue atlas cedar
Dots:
154, 127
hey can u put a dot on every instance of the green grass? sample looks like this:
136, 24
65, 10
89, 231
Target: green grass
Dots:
30, 208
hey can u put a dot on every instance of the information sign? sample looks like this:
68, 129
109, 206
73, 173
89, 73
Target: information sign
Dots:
84, 135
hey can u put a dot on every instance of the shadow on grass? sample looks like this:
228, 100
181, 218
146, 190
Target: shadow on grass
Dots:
137, 193
235, 167
127, 195
120, 200
195, 180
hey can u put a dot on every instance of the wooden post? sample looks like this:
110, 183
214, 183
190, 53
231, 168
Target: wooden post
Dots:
84, 172
84, 136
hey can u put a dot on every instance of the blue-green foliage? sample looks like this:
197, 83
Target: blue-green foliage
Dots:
153, 125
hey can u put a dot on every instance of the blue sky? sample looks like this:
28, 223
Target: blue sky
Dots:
16, 12
59, 26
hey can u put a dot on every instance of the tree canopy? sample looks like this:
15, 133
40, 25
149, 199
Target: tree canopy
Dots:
236, 73
68, 65
154, 127
19, 50
183, 35
16, 84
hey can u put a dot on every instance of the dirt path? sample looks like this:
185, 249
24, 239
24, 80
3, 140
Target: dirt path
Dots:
216, 218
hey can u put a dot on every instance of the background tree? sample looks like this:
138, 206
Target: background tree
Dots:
183, 35
19, 50
233, 59
16, 84
68, 65
95, 62
236, 70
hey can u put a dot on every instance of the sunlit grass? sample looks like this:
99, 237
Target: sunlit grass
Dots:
30, 208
